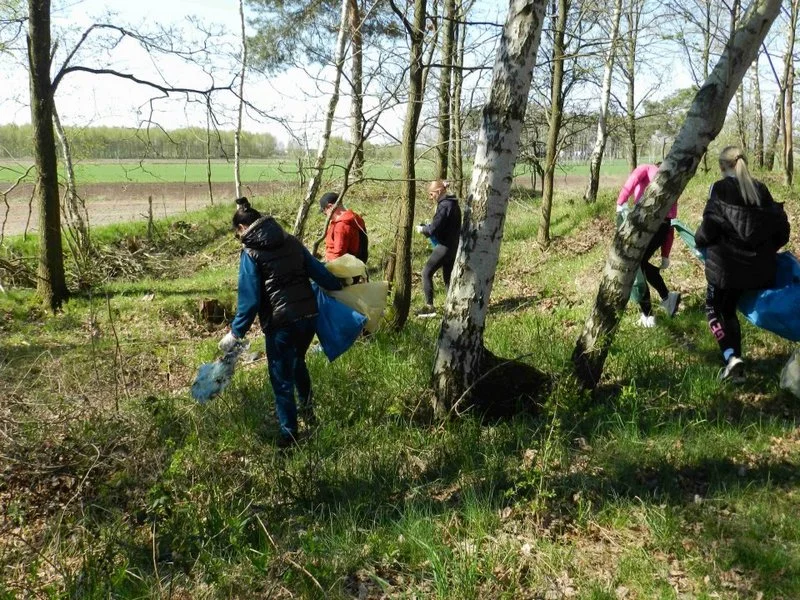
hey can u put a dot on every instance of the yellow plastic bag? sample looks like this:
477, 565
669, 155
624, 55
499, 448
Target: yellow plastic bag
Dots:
367, 298
347, 266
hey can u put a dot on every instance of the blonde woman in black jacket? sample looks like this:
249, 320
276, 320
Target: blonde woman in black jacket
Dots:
742, 230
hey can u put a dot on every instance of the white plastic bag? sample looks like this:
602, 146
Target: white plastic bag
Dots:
790, 375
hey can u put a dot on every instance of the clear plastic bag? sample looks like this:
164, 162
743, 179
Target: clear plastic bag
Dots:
790, 375
347, 266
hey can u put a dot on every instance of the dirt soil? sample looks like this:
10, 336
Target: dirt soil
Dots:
121, 202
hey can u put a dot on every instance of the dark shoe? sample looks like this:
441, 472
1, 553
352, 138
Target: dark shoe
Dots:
287, 441
308, 417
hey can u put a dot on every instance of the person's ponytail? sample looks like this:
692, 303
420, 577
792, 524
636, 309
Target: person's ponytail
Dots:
732, 159
245, 214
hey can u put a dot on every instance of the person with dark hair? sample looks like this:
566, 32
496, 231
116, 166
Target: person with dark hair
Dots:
346, 233
274, 272
635, 186
444, 231
742, 230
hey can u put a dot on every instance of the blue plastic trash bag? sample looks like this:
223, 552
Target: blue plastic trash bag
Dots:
776, 309
338, 325
215, 376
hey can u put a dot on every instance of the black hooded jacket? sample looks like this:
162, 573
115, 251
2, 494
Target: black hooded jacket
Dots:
741, 239
280, 257
446, 223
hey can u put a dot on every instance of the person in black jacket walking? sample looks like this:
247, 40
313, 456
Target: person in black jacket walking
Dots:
742, 230
443, 231
274, 271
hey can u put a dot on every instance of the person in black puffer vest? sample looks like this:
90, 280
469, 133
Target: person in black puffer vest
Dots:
742, 230
274, 271
443, 231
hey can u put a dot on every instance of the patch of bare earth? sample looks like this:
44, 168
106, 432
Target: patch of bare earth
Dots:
121, 202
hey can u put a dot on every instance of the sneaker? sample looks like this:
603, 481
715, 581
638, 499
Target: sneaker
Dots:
671, 303
426, 312
647, 321
733, 371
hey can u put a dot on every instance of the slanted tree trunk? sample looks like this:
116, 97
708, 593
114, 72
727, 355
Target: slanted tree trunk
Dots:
456, 154
556, 115
596, 158
703, 122
51, 285
446, 70
237, 136
758, 138
402, 263
357, 83
788, 111
324, 142
460, 350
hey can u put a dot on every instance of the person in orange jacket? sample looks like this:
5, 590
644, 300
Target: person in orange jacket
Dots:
346, 231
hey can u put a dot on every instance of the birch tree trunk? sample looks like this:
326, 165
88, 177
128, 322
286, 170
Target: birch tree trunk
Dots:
402, 262
556, 115
460, 350
703, 122
456, 155
237, 136
357, 83
758, 141
740, 118
788, 111
322, 150
51, 284
596, 158
445, 109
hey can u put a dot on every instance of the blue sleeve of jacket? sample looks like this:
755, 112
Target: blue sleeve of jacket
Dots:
318, 272
438, 222
248, 297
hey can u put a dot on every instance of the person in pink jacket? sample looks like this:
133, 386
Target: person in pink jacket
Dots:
635, 186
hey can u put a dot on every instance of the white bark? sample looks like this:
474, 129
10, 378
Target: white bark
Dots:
605, 96
237, 141
460, 348
703, 123
322, 150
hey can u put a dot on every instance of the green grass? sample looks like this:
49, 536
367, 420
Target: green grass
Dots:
194, 171
662, 484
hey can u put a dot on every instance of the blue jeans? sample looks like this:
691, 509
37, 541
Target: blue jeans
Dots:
286, 359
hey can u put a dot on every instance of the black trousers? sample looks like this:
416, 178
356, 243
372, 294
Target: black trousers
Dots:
653, 273
722, 319
442, 258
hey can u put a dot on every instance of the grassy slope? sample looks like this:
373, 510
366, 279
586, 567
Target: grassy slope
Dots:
663, 484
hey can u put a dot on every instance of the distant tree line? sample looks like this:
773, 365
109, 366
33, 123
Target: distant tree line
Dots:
16, 141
